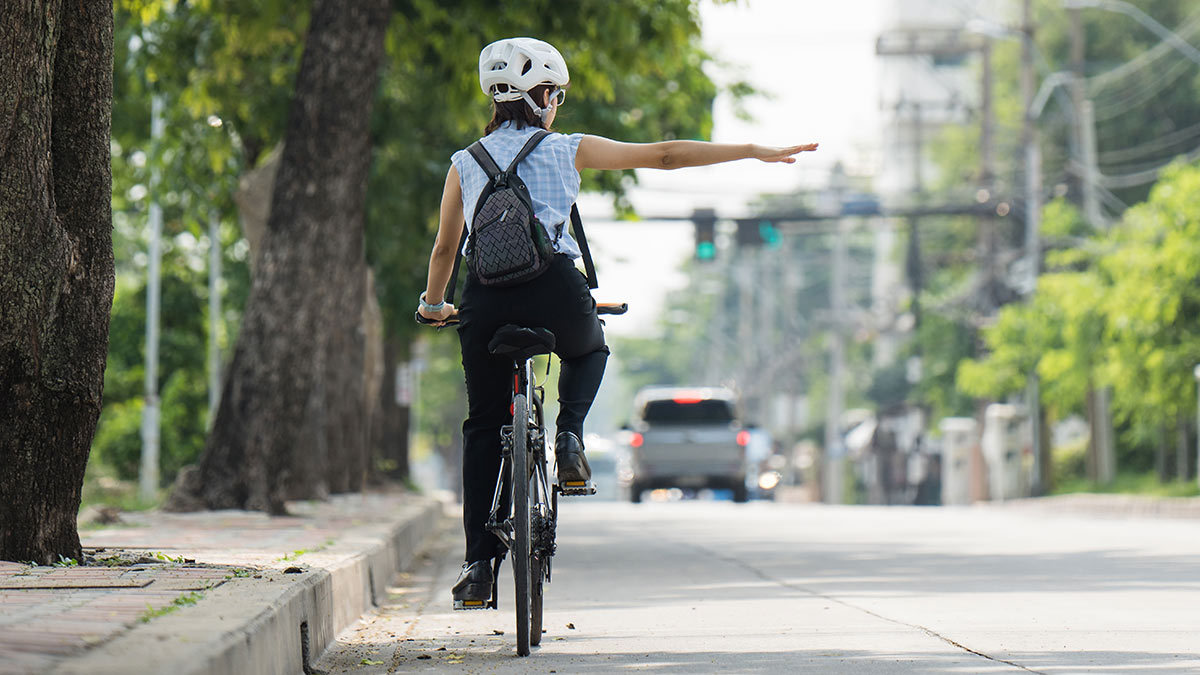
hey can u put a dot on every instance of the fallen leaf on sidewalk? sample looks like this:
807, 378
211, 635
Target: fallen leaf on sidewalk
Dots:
369, 662
424, 657
571, 626
497, 632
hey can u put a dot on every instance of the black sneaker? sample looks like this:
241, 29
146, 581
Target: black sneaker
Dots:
574, 474
473, 590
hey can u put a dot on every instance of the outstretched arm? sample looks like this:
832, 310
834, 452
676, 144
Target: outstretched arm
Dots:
597, 152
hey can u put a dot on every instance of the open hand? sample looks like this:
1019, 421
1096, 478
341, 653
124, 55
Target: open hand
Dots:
786, 155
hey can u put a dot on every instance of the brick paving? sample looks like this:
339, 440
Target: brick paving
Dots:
50, 613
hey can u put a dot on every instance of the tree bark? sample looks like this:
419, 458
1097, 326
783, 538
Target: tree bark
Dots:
393, 440
56, 264
316, 217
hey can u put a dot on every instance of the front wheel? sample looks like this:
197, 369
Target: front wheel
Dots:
520, 510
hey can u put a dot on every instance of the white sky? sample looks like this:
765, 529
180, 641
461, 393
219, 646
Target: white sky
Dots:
817, 61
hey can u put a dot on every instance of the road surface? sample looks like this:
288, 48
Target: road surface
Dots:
692, 587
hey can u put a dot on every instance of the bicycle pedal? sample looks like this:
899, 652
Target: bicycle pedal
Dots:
577, 488
470, 604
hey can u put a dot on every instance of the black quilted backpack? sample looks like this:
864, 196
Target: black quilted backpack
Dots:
507, 245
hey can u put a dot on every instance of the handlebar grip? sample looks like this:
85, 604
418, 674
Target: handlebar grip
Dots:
437, 324
612, 307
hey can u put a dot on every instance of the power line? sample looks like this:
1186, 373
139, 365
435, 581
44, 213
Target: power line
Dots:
1097, 83
1173, 140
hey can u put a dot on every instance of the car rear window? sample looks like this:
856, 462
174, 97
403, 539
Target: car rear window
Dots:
709, 411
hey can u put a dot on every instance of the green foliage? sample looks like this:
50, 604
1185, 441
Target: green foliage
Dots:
225, 69
182, 385
636, 75
1126, 315
1130, 482
944, 344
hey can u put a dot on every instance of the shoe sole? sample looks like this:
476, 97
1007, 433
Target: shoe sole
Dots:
471, 593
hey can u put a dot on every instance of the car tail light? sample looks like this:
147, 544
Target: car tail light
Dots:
743, 438
636, 440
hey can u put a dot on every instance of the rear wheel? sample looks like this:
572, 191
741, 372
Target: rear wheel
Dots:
537, 580
520, 509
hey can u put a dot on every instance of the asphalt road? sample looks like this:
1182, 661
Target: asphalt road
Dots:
695, 587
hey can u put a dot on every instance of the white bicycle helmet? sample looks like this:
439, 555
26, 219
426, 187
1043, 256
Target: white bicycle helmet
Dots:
509, 68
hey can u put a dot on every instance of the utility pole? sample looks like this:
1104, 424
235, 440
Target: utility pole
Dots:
987, 172
148, 475
1102, 436
835, 452
1196, 373
214, 314
914, 247
1085, 128
1033, 254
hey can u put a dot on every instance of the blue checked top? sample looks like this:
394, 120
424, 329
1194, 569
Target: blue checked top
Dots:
549, 172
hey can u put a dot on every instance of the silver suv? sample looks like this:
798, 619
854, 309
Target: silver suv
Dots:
687, 437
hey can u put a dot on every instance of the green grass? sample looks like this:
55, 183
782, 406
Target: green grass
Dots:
1146, 484
182, 601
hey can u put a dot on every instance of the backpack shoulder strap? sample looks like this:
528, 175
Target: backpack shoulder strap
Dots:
484, 159
527, 148
458, 256
581, 239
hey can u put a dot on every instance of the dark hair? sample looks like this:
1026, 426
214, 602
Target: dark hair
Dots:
518, 112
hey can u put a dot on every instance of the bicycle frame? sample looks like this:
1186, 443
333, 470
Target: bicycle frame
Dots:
541, 498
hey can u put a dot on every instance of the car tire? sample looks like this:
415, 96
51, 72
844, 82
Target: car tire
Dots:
741, 494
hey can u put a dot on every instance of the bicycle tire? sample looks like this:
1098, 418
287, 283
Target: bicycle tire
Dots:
537, 580
520, 509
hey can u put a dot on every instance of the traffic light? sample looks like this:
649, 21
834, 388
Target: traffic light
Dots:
757, 232
706, 233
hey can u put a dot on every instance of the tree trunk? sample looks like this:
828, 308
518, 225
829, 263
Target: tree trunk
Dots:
393, 442
56, 264
316, 216
345, 420
372, 376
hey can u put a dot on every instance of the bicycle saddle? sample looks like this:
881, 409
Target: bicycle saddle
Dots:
519, 343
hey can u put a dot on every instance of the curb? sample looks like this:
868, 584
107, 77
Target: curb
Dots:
277, 624
1108, 505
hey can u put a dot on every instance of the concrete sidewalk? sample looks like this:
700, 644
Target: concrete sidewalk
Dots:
212, 592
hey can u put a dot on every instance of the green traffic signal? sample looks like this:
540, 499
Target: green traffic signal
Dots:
706, 250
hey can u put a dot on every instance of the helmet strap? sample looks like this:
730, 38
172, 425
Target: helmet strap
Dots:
537, 110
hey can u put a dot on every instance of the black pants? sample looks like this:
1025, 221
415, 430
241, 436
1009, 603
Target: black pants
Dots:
558, 300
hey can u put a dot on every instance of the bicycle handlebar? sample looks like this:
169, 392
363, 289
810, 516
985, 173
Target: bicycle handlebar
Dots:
453, 319
612, 307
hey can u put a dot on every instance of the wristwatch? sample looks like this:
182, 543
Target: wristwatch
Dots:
426, 307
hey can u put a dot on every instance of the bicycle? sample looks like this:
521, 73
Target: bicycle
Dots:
524, 513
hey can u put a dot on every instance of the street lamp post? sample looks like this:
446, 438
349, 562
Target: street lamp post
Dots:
1141, 17
1196, 372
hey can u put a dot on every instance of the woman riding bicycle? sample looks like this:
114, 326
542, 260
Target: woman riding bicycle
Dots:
526, 80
